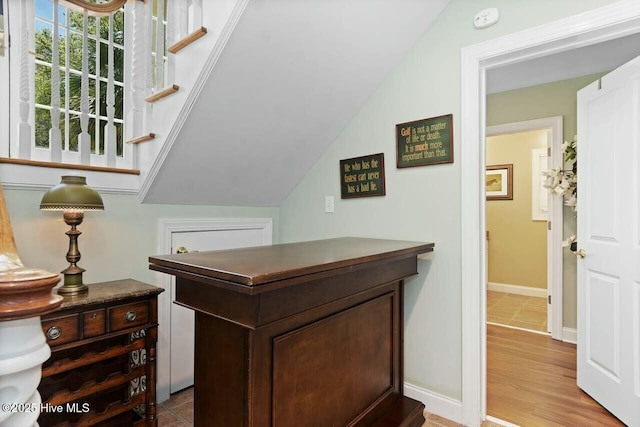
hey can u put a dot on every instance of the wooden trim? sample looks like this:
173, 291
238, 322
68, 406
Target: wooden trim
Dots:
176, 47
68, 166
142, 138
163, 93
94, 9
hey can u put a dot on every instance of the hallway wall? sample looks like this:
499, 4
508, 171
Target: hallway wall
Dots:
517, 244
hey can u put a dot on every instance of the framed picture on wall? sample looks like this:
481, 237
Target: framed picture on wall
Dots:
499, 182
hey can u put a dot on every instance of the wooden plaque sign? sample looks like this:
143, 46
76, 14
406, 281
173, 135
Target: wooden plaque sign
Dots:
425, 142
362, 176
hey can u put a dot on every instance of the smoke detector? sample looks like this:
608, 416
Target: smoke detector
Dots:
486, 18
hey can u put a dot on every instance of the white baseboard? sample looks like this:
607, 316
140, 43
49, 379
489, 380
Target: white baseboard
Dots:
435, 403
501, 422
570, 335
517, 289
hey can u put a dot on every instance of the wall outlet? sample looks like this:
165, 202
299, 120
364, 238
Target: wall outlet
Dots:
328, 204
486, 18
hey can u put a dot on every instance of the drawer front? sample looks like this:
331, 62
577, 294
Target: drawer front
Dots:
94, 323
128, 315
61, 330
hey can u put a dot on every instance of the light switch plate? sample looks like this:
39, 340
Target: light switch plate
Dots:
486, 18
329, 204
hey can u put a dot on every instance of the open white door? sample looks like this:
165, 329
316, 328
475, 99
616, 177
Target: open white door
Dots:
609, 236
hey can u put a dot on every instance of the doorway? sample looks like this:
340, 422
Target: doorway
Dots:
601, 25
525, 272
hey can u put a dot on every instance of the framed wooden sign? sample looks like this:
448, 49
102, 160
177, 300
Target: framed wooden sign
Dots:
362, 176
425, 142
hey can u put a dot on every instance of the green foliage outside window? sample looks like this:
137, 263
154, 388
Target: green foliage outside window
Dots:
43, 48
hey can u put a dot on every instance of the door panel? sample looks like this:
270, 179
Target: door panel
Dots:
182, 319
603, 346
608, 229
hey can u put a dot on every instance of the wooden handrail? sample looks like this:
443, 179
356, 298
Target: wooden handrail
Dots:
68, 166
142, 138
174, 48
163, 93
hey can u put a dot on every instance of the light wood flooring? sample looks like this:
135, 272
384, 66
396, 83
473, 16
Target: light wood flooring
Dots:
517, 310
531, 381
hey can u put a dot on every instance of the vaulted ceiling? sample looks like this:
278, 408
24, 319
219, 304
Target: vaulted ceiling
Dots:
291, 77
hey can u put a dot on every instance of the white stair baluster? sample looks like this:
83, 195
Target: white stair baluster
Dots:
199, 14
110, 137
171, 37
148, 64
55, 136
139, 64
183, 20
171, 23
84, 139
159, 66
24, 128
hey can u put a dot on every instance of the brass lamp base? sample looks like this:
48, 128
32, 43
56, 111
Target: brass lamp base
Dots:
73, 290
73, 284
73, 274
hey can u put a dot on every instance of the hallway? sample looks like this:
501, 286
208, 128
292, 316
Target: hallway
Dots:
517, 310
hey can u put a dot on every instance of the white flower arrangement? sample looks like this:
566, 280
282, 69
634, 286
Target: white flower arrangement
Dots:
564, 181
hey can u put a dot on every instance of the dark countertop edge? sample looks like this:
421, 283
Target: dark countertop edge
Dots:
157, 263
140, 289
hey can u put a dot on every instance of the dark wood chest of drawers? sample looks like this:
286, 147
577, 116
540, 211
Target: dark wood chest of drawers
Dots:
102, 369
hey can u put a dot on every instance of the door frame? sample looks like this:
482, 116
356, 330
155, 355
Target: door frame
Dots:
607, 23
553, 126
166, 228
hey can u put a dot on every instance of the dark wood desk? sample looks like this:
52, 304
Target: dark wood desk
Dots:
302, 334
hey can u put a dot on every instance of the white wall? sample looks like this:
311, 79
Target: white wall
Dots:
421, 203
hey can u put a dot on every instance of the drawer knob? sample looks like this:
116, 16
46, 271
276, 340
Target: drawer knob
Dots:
54, 332
130, 316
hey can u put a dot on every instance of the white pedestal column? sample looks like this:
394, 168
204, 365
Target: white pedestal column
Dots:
23, 349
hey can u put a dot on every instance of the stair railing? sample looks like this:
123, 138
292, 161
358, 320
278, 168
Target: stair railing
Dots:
104, 136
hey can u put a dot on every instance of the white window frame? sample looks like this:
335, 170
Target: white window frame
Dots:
21, 176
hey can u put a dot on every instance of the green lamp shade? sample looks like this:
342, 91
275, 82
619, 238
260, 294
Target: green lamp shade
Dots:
72, 194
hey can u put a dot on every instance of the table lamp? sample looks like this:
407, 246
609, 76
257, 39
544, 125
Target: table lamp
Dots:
73, 197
